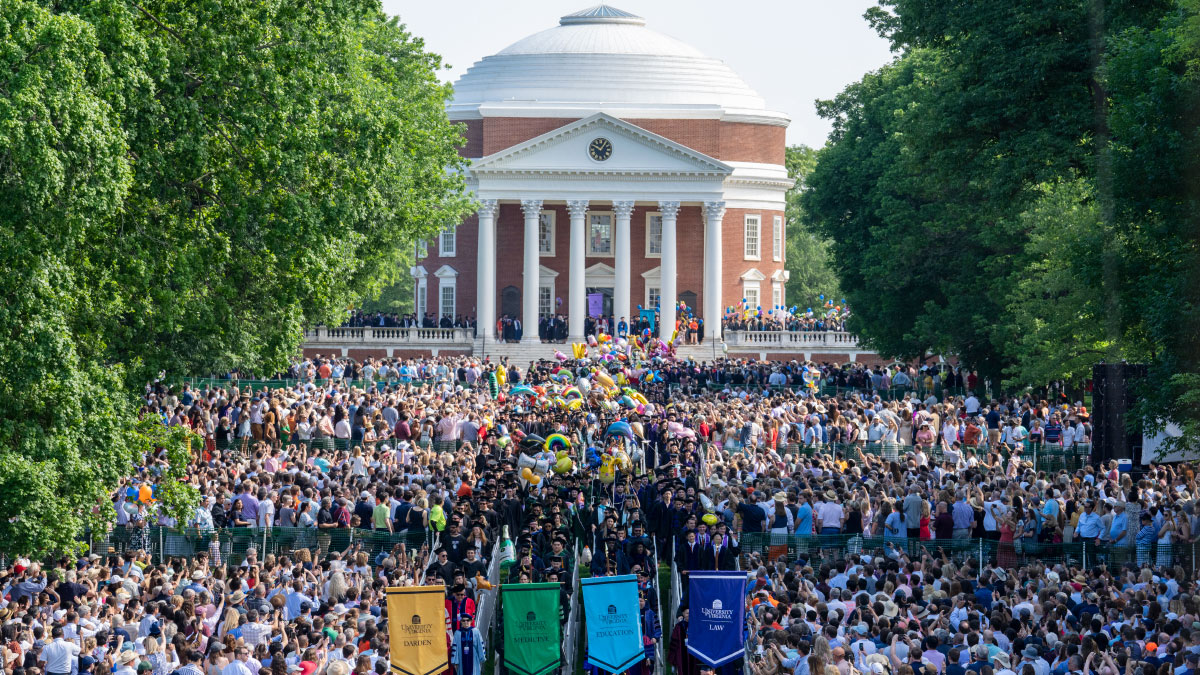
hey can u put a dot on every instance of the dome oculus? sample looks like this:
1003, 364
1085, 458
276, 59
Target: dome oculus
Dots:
600, 149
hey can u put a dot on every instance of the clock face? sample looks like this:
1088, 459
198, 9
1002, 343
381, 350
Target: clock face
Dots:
600, 149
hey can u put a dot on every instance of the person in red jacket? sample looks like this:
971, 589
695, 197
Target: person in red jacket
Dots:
458, 605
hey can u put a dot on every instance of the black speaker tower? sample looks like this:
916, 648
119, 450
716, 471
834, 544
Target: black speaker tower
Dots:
1113, 395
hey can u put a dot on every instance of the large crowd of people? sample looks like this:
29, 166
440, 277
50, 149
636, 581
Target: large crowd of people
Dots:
858, 501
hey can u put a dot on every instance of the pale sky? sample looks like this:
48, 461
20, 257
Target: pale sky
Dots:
792, 52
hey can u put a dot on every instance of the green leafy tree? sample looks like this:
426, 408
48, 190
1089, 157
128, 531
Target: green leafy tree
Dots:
187, 184
1154, 88
934, 160
807, 254
1060, 299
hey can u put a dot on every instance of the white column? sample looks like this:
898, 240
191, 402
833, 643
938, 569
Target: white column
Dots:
622, 269
577, 300
532, 277
713, 308
485, 269
668, 295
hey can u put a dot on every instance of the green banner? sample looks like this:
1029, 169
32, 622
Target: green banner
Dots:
532, 629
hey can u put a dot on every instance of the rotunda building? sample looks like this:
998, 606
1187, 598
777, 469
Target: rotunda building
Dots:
617, 170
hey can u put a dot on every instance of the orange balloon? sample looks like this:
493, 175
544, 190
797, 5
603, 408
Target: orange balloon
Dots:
145, 494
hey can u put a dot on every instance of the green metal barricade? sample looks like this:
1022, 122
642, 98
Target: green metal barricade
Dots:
230, 546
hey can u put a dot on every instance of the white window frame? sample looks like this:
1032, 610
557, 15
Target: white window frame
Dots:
422, 249
651, 292
777, 238
546, 298
752, 223
649, 217
542, 220
450, 251
447, 285
422, 293
591, 253
750, 291
776, 294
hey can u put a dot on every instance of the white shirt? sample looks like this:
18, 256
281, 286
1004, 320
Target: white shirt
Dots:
971, 404
830, 514
236, 667
58, 654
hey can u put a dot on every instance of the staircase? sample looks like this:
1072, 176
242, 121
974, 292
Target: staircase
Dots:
517, 353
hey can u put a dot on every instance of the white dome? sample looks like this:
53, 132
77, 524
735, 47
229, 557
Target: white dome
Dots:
603, 59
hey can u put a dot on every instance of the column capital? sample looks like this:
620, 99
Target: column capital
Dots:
577, 207
669, 209
488, 208
714, 210
623, 209
531, 207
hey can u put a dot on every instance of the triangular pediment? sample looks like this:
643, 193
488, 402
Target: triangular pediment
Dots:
630, 149
600, 269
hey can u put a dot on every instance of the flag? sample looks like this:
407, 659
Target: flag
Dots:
614, 627
717, 601
417, 630
532, 628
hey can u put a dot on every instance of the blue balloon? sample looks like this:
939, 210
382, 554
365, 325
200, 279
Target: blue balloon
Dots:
770, 311
821, 296
639, 307
760, 308
743, 300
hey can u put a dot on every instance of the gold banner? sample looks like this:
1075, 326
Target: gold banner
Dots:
417, 630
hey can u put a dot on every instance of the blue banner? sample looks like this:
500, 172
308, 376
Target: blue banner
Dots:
614, 627
717, 609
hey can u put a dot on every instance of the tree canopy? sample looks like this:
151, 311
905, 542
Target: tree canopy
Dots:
186, 185
806, 256
1019, 189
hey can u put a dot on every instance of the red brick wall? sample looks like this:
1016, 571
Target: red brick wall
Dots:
732, 141
794, 356
504, 132
733, 249
700, 135
464, 262
743, 142
360, 354
690, 261
510, 250
472, 130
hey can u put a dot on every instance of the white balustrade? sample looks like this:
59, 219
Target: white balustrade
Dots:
791, 339
387, 335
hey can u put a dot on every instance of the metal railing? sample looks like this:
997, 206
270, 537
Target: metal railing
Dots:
488, 599
229, 546
258, 384
676, 595
1044, 457
1010, 555
571, 630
